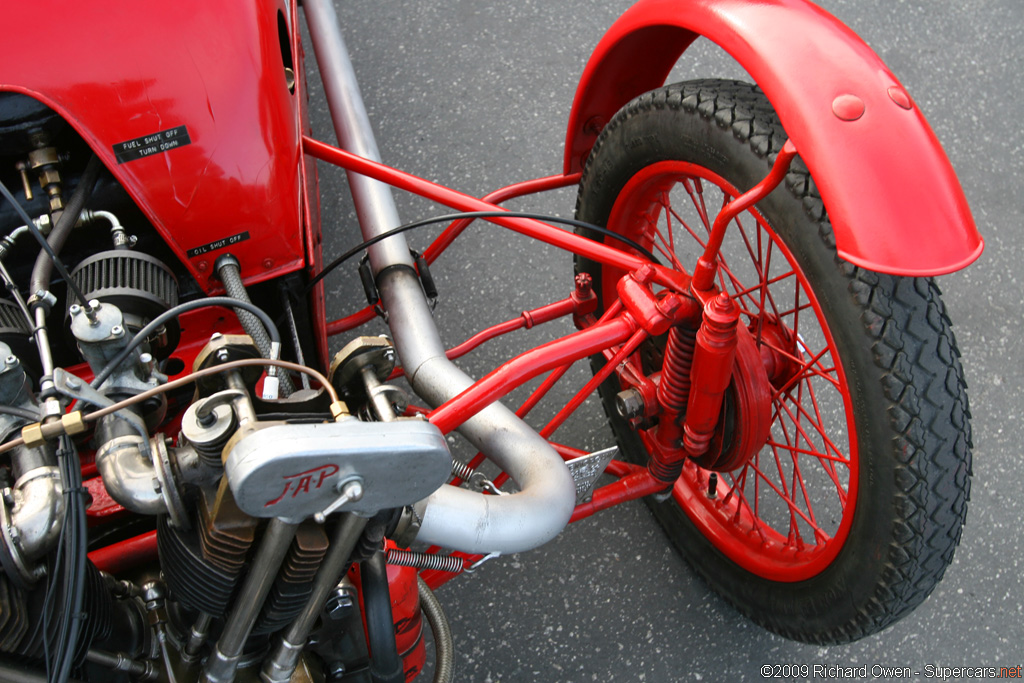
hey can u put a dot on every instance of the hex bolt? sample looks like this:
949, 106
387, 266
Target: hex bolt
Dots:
339, 602
629, 404
223, 355
73, 383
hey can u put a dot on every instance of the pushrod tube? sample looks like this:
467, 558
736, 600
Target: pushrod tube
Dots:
455, 518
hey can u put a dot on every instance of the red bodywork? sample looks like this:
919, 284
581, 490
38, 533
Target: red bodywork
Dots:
891, 193
215, 68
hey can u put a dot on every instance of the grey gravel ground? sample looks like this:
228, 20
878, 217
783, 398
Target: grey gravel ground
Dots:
476, 95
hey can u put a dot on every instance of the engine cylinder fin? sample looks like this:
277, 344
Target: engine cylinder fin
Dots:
225, 533
13, 616
191, 579
294, 583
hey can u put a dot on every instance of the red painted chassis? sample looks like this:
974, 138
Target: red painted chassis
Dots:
849, 148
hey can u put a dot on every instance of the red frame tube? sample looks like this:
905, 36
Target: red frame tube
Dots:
127, 554
553, 182
445, 239
526, 366
527, 319
595, 251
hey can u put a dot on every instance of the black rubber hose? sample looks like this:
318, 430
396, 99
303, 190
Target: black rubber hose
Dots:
42, 271
386, 665
20, 412
444, 669
229, 271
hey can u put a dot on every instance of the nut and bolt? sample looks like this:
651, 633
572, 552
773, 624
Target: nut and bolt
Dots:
223, 355
340, 601
629, 404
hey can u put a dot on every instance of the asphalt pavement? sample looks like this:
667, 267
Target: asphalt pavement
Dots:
475, 95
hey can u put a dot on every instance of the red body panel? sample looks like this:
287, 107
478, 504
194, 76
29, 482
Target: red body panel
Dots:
215, 68
890, 191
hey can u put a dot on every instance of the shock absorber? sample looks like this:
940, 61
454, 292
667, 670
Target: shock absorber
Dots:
673, 396
696, 372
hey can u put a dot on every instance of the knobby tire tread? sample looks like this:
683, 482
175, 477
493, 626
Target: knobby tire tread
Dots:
915, 356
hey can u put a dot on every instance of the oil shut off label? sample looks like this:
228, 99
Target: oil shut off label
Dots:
154, 143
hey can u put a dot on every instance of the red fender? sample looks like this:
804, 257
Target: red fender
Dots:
891, 193
129, 73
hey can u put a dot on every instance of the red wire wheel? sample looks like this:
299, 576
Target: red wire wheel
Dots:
846, 515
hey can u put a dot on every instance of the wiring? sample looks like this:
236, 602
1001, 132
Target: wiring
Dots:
206, 372
69, 571
447, 218
19, 412
182, 381
157, 322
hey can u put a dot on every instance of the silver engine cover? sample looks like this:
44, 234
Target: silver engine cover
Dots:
294, 471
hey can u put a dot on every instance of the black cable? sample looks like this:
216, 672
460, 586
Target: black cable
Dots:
67, 578
76, 506
475, 214
57, 263
19, 412
224, 301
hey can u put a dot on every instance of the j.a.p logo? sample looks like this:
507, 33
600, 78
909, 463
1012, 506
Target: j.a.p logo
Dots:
303, 482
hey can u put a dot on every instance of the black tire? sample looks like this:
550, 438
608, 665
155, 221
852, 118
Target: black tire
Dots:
896, 372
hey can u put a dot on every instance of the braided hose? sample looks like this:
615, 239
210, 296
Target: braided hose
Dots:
230, 274
444, 672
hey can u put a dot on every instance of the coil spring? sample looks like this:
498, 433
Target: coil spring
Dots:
462, 470
674, 388
441, 563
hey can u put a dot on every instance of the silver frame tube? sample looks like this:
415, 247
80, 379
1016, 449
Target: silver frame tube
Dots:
454, 518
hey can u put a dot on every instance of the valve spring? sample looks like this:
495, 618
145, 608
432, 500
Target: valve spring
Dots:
674, 388
210, 453
441, 563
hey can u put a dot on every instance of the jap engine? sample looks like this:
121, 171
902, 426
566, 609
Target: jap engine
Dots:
260, 487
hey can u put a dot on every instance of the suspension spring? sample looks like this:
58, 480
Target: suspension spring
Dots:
674, 396
674, 388
441, 563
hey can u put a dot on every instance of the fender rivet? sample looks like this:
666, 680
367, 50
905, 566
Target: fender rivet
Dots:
900, 97
848, 107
